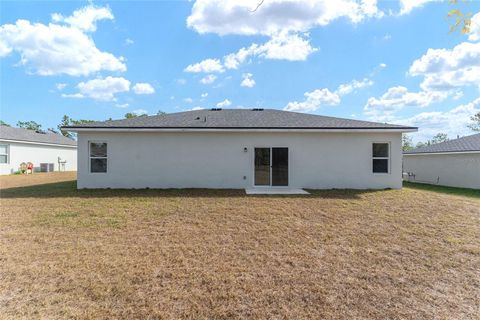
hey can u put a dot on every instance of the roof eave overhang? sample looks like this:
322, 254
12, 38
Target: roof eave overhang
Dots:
441, 153
39, 143
146, 129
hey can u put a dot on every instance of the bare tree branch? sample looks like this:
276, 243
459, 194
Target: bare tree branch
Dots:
258, 6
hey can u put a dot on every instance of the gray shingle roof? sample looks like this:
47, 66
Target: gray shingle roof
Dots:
464, 144
19, 134
240, 119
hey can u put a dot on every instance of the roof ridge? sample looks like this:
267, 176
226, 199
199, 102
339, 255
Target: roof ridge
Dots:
465, 143
240, 118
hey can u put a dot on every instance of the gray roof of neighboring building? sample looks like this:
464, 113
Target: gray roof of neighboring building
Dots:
239, 119
464, 144
20, 134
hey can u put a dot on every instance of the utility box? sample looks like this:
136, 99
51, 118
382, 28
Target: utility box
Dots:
46, 167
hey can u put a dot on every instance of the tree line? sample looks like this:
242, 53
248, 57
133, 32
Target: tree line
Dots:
408, 145
67, 121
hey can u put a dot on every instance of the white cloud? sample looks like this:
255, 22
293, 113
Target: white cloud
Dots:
233, 60
60, 86
129, 42
282, 46
204, 95
285, 22
224, 103
396, 98
453, 122
474, 34
85, 18
406, 6
348, 88
400, 96
320, 97
210, 78
207, 66
143, 88
286, 46
247, 80
444, 72
55, 49
445, 69
197, 108
101, 89
73, 95
314, 100
123, 106
140, 112
236, 17
188, 100
382, 65
5, 48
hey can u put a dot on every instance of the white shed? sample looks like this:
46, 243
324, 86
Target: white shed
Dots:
239, 149
454, 163
47, 151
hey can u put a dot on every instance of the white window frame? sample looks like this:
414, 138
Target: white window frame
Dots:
90, 157
6, 154
382, 158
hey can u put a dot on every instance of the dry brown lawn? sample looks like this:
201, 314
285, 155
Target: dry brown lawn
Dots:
13, 181
203, 254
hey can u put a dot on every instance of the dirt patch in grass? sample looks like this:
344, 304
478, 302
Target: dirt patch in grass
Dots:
204, 254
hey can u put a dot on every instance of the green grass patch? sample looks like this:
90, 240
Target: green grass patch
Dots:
65, 215
92, 219
471, 193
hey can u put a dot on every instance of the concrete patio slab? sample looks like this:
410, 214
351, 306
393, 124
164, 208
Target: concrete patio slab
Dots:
253, 191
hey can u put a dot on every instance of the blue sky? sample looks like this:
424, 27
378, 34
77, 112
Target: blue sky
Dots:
388, 61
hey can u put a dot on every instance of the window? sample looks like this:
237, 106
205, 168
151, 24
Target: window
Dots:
381, 157
98, 157
4, 153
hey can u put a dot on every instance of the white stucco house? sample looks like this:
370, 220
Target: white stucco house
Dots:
454, 163
239, 149
47, 151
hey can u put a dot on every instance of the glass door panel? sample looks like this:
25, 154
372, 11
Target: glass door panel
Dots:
279, 166
262, 166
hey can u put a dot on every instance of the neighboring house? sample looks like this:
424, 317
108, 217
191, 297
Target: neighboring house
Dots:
239, 149
46, 150
454, 163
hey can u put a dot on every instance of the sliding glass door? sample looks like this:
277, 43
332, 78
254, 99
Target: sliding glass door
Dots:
279, 166
262, 166
271, 167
